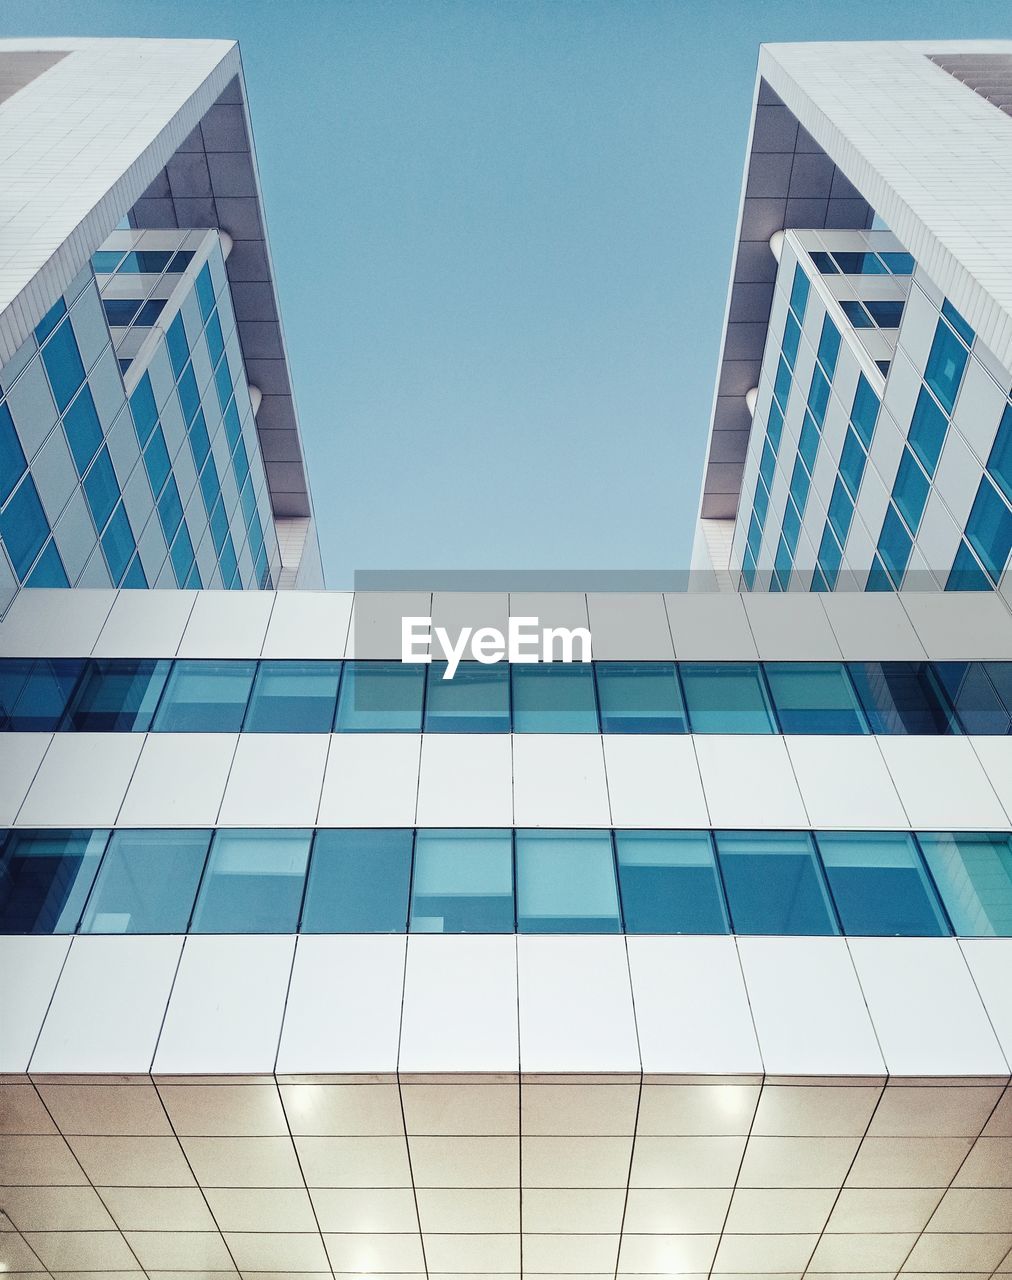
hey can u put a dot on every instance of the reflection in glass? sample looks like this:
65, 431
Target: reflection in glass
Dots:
147, 882
814, 697
902, 697
973, 872
773, 883
640, 697
117, 695
45, 877
293, 697
253, 882
475, 700
462, 882
566, 882
358, 882
205, 697
381, 697
34, 692
727, 697
669, 882
879, 885
554, 699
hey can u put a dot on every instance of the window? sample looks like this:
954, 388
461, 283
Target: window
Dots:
799, 293
150, 312
669, 882
899, 264
179, 348
476, 700
966, 573
857, 315
143, 411
381, 697
887, 315
999, 462
818, 396
902, 697
957, 322
830, 557
973, 872
946, 362
879, 885
554, 699
63, 365
782, 384
156, 462
215, 342
45, 877
640, 697
181, 555
118, 543
829, 347
728, 697
767, 464
293, 697
12, 457
566, 882
146, 262
864, 411
774, 424
841, 511
852, 460
147, 882
792, 337
101, 488
34, 692
117, 695
253, 883
358, 882
83, 430
205, 291
24, 527
170, 509
792, 525
989, 529
462, 882
106, 261
814, 697
120, 312
808, 445
800, 484
910, 490
773, 883
927, 431
49, 570
824, 264
894, 545
199, 441
981, 693
189, 396
181, 259
205, 697
859, 264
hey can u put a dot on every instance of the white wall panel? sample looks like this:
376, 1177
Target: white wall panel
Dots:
81, 781
942, 783
145, 624
975, 626
844, 782
20, 757
653, 781
559, 780
790, 627
466, 780
748, 781
36, 962
995, 755
54, 623
308, 624
227, 624
629, 624
275, 780
710, 627
990, 963
371, 780
877, 630
179, 780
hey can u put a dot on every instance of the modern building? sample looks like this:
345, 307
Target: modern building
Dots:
691, 961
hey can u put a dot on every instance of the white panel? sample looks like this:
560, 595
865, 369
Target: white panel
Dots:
995, 754
962, 627
23, 1003
629, 625
792, 627
466, 780
844, 782
108, 1006
809, 1011
308, 624
460, 1005
225, 1012
678, 983
653, 781
227, 624
20, 757
942, 783
748, 781
179, 780
371, 780
990, 962
925, 1007
145, 624
275, 780
559, 780
82, 780
343, 1012
576, 1011
710, 627
54, 623
872, 628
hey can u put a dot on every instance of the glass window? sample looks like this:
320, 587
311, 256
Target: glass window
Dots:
999, 462
101, 488
83, 430
927, 431
150, 262
49, 570
215, 342
946, 362
358, 882
63, 365
878, 579
223, 382
773, 883
792, 337
761, 504
966, 573
106, 261
566, 882
12, 456
640, 697
782, 383
973, 872
120, 312
134, 577
783, 562
856, 314
957, 322
852, 460
476, 700
170, 509
830, 557
205, 291
814, 697
143, 411
293, 697
381, 697
910, 490
181, 259
24, 527
859, 264
864, 411
189, 396
841, 511
799, 293
894, 545
50, 320
147, 882
902, 697
34, 692
800, 484
791, 525
755, 532
181, 555
669, 882
808, 445
156, 462
767, 464
818, 395
879, 885
117, 695
900, 264
989, 529
199, 441
824, 264
150, 312
462, 882
726, 697
118, 543
45, 877
829, 347
774, 424
253, 883
179, 348
205, 696
887, 315
553, 698
980, 693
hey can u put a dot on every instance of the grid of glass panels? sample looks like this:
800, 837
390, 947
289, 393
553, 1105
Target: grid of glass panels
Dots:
776, 883
864, 263
198, 695
987, 539
135, 285
850, 473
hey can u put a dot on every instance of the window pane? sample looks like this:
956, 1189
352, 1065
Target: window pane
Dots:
83, 430
928, 427
669, 882
462, 882
946, 362
63, 364
902, 697
859, 264
550, 698
147, 882
358, 882
726, 698
973, 871
24, 527
476, 700
293, 697
989, 529
814, 697
34, 693
773, 883
879, 885
205, 697
45, 877
253, 883
381, 697
117, 695
910, 490
894, 545
640, 697
981, 694
566, 882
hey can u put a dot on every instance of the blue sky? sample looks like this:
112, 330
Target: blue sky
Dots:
502, 234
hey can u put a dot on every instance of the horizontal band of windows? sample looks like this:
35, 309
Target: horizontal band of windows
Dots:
770, 883
209, 696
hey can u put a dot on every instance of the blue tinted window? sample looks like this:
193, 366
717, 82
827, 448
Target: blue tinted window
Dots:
146, 262
63, 365
981, 693
50, 320
782, 384
189, 396
824, 264
181, 555
248, 502
150, 312
773, 883
755, 533
156, 462
761, 503
143, 411
219, 525
814, 697
117, 695
841, 511
199, 442
476, 700
792, 525
24, 527
852, 461
293, 697
381, 697
946, 362
900, 264
205, 697
957, 322
179, 348
819, 581
818, 396
34, 693
101, 488
227, 560
748, 570
800, 484
205, 291
799, 293
989, 529
566, 882
829, 557
193, 579
887, 315
49, 570
927, 431
864, 411
45, 877
999, 462
727, 697
879, 885
767, 464
210, 487
253, 883
358, 882
894, 545
181, 259
808, 445
462, 882
856, 314
792, 336
233, 428
902, 697
910, 490
640, 697
215, 342
878, 579
973, 872
241, 463
966, 573
774, 424
120, 311
134, 578
551, 698
829, 347
223, 382
147, 882
118, 543
669, 882
783, 562
859, 264
170, 509
83, 430
106, 261
12, 457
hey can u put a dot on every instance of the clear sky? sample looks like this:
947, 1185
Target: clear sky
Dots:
502, 234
